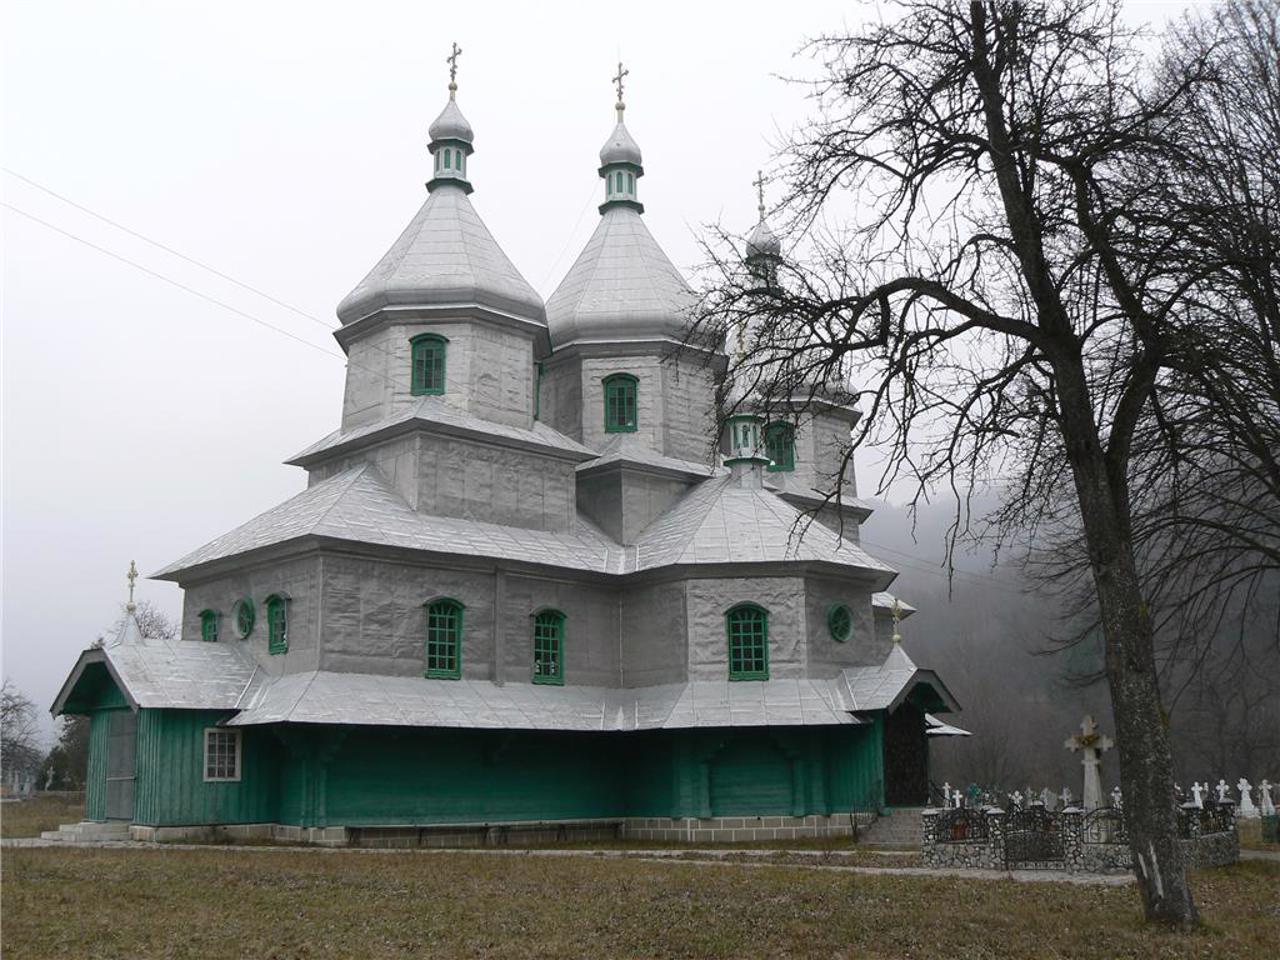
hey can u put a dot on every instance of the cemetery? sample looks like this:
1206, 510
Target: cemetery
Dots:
1029, 830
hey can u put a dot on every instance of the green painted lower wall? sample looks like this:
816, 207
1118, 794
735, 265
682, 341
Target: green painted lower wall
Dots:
95, 785
171, 789
371, 776
312, 775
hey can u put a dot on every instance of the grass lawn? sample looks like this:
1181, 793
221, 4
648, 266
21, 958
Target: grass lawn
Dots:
27, 818
284, 904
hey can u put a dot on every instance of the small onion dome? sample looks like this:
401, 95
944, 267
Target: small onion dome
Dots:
620, 147
763, 242
451, 124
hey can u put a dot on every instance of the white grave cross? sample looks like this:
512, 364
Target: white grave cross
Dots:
1264, 796
1247, 809
1092, 744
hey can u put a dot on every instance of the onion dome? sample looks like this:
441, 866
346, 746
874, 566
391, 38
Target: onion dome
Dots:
446, 257
622, 288
451, 124
621, 147
764, 248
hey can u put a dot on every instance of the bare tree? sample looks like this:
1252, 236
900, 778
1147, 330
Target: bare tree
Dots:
153, 623
19, 734
1205, 470
976, 247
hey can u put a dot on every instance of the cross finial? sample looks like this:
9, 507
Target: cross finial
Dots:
758, 183
896, 611
617, 80
132, 576
452, 60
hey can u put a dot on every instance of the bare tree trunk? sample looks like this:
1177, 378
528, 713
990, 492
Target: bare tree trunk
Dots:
1142, 734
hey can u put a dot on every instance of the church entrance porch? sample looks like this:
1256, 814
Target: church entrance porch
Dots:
906, 758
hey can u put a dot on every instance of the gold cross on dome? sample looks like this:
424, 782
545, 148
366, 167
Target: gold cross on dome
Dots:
452, 60
896, 611
758, 183
617, 79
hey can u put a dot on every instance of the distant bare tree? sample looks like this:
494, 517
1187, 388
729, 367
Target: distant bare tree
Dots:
19, 733
1205, 470
977, 248
153, 623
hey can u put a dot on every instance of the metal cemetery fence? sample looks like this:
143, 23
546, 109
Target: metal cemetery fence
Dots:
1035, 838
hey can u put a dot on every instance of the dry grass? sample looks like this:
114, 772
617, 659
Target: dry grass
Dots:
285, 904
27, 818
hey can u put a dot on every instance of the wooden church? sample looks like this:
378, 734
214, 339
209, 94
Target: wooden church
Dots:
515, 598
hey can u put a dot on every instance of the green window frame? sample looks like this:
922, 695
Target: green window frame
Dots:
277, 606
446, 158
548, 647
428, 364
747, 630
246, 616
840, 622
444, 639
209, 626
780, 446
621, 392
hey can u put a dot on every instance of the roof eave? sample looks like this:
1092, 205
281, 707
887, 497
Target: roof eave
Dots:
87, 657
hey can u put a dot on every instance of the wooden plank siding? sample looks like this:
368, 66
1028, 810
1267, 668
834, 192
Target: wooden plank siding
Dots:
171, 789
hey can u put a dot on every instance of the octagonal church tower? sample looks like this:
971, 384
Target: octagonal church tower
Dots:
523, 593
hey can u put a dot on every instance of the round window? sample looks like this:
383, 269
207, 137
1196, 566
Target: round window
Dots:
245, 616
840, 622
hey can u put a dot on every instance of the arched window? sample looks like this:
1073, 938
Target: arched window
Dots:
447, 154
209, 626
444, 639
428, 350
620, 403
780, 446
277, 623
631, 183
548, 647
747, 627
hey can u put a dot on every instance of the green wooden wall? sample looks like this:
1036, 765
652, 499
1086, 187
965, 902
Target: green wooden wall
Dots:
371, 776
313, 775
170, 788
95, 786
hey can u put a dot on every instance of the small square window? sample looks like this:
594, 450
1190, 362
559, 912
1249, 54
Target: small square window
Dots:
221, 754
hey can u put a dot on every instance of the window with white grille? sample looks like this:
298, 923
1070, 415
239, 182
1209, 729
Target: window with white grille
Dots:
221, 754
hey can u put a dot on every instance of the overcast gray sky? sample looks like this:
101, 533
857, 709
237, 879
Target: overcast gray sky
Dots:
284, 144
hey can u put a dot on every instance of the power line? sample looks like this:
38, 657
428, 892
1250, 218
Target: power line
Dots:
906, 559
204, 296
169, 280
168, 249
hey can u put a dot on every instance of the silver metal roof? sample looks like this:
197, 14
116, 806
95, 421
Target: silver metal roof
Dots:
630, 448
451, 124
622, 287
349, 698
180, 674
718, 522
220, 676
886, 686
936, 728
440, 416
621, 147
359, 505
445, 257
714, 523
763, 241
